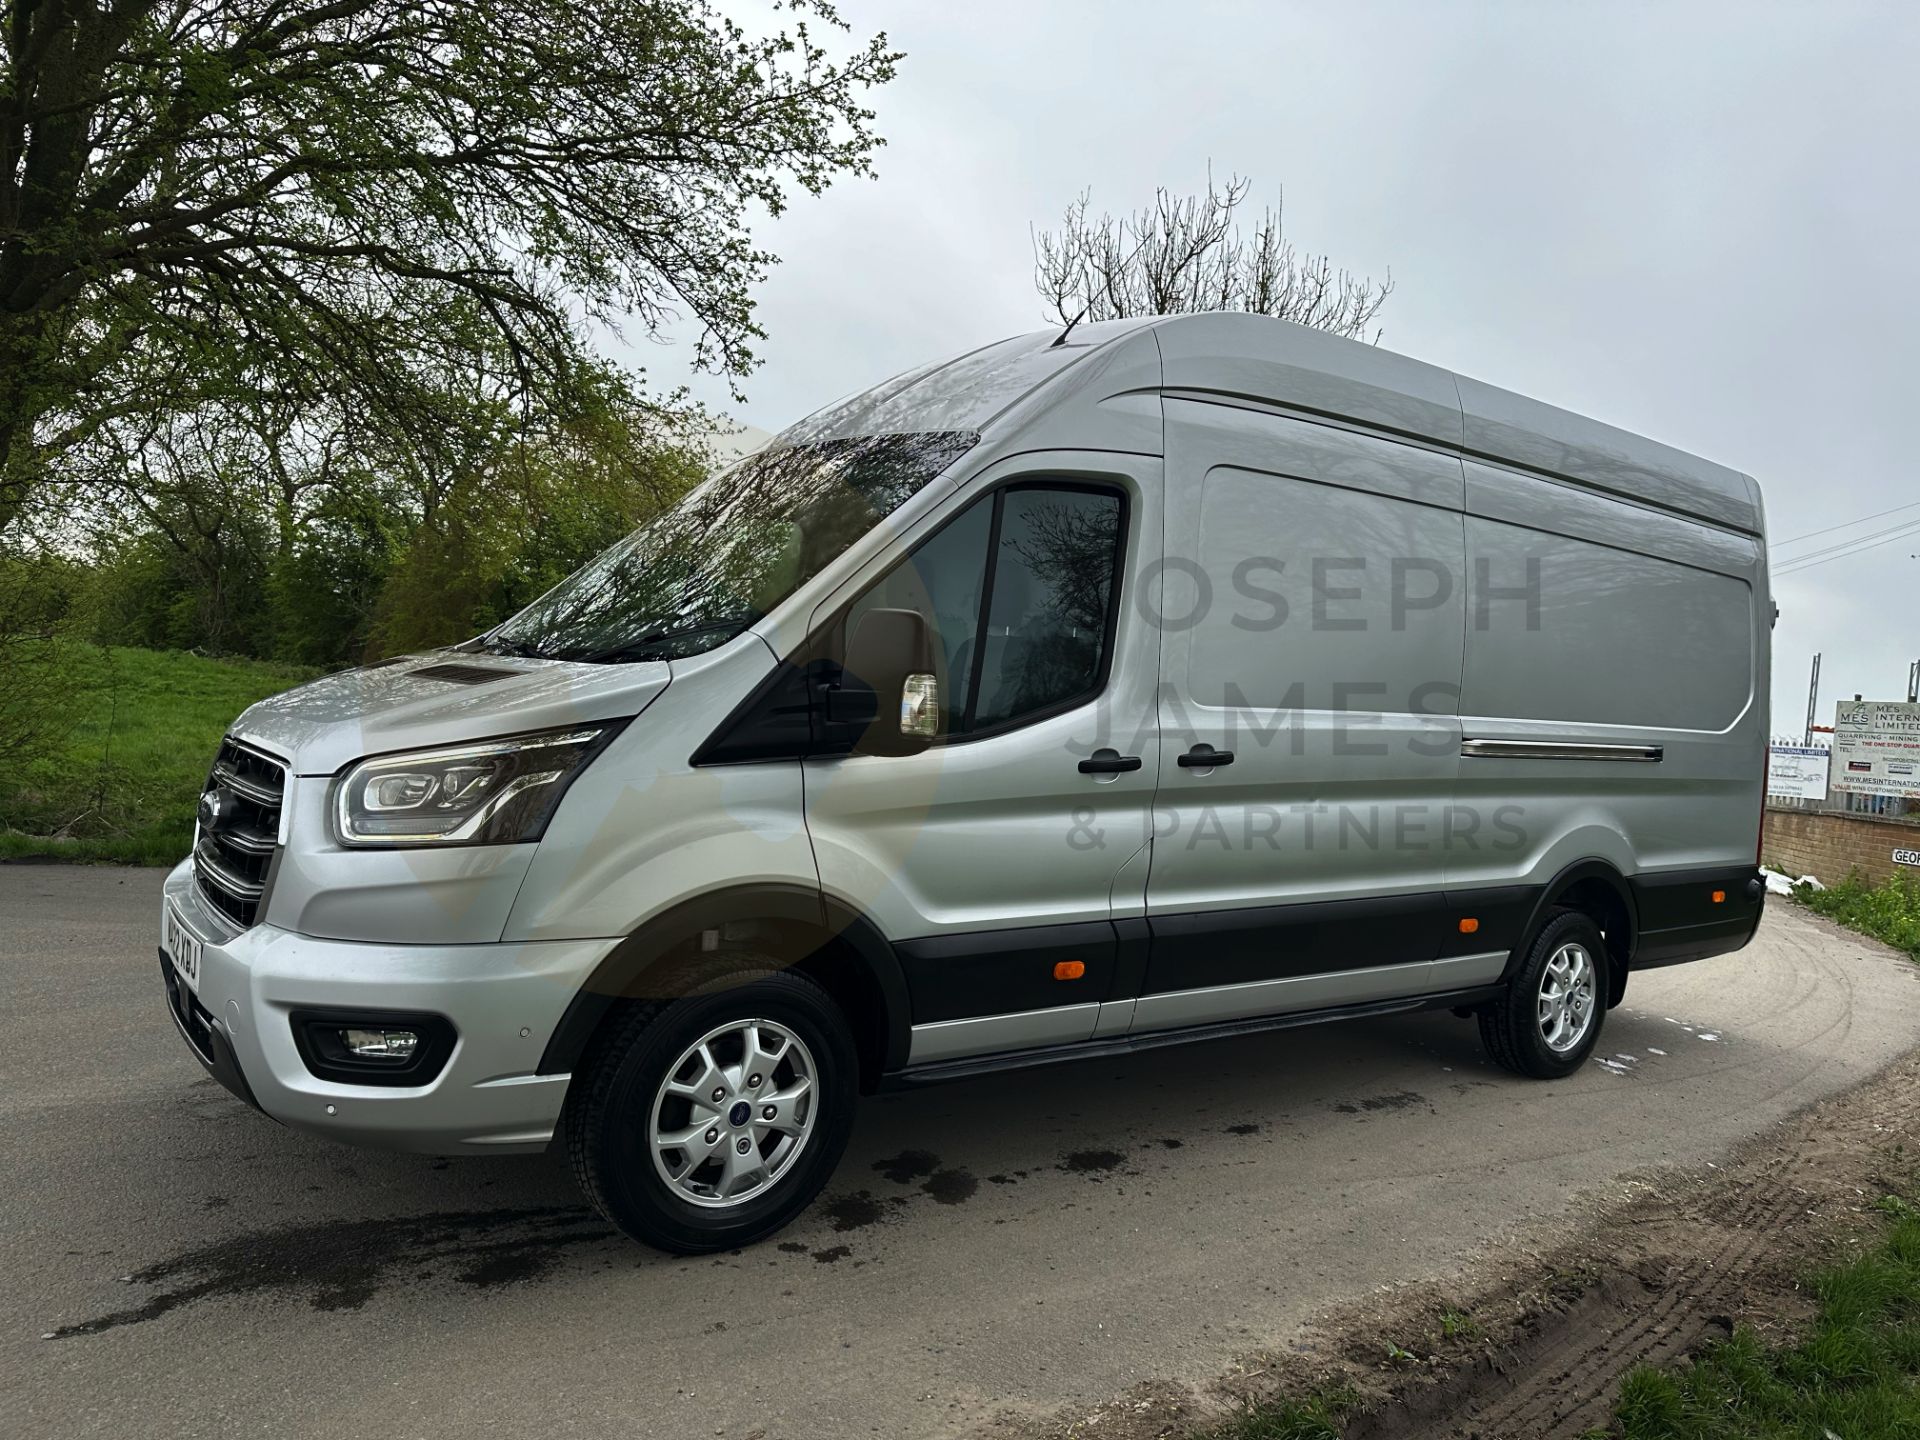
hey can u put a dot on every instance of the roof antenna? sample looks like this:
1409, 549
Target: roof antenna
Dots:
1070, 324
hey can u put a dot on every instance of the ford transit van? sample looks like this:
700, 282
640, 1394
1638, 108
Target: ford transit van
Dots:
1086, 693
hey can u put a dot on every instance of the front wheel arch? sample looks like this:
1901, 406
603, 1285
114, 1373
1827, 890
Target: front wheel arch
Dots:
832, 944
611, 1126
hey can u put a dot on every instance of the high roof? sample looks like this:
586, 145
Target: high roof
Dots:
1230, 356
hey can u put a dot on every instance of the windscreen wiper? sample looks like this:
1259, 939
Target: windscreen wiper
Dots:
494, 645
636, 649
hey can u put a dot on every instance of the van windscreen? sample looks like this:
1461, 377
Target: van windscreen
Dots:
731, 549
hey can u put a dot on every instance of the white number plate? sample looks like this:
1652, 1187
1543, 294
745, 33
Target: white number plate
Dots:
183, 948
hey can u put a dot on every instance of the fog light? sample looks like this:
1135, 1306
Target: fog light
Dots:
373, 1047
380, 1044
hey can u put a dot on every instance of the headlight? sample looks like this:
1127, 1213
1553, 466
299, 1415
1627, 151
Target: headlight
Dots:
491, 793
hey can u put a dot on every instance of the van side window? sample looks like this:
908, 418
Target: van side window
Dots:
1045, 640
1019, 593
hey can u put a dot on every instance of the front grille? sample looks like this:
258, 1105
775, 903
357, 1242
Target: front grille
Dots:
239, 830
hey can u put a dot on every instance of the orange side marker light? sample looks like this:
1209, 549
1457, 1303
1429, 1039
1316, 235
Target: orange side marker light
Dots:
1069, 969
1719, 897
1468, 925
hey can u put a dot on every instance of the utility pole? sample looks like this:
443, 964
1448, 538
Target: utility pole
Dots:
1813, 698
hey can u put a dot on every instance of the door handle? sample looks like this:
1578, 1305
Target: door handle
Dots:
1108, 762
1200, 757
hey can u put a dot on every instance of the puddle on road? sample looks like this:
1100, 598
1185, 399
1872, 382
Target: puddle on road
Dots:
948, 1185
342, 1264
1399, 1100
951, 1187
908, 1166
855, 1211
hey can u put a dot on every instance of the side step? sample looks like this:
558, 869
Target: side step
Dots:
1107, 1047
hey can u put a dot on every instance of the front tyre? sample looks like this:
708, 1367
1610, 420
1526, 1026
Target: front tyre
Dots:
1550, 1019
709, 1121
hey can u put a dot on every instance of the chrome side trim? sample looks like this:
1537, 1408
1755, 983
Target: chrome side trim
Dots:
1559, 750
951, 1039
1313, 992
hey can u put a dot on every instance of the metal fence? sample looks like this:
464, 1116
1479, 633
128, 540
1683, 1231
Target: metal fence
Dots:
1845, 802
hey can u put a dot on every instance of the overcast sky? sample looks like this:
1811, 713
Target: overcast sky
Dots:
1699, 223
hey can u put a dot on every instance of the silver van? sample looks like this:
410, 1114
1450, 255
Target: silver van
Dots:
1086, 693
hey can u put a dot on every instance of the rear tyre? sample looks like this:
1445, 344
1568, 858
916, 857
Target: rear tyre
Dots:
709, 1121
1549, 1021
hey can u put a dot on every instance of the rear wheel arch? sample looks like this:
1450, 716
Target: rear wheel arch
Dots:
1548, 1023
829, 942
1598, 890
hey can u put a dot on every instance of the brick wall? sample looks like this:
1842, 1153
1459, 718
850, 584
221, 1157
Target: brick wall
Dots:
1803, 842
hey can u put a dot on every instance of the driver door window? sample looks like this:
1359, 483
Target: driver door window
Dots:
1019, 592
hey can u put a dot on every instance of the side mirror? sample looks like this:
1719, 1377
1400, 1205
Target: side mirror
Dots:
888, 696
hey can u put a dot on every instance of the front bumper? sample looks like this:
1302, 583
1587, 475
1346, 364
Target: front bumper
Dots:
503, 1001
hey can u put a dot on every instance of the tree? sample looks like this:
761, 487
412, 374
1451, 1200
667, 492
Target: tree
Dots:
324, 201
1183, 254
298, 536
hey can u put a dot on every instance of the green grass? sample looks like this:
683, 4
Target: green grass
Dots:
1856, 1374
121, 780
1457, 1325
1889, 911
1315, 1418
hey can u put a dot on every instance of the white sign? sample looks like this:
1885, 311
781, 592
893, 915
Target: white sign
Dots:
1876, 747
1797, 772
1906, 857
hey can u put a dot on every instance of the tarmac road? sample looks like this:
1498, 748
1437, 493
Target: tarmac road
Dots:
175, 1264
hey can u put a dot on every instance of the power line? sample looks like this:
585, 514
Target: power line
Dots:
1842, 547
1796, 539
1798, 566
1848, 548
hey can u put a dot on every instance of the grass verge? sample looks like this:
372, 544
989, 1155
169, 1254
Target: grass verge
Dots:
1889, 911
120, 781
1317, 1417
1856, 1375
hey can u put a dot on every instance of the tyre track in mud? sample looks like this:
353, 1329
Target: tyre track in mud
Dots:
1729, 1249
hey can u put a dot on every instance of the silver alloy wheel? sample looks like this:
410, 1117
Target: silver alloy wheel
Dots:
1567, 1003
733, 1114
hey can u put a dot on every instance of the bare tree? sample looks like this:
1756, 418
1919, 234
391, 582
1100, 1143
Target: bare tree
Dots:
1186, 253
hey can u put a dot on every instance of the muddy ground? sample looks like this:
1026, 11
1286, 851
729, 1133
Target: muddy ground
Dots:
1533, 1343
